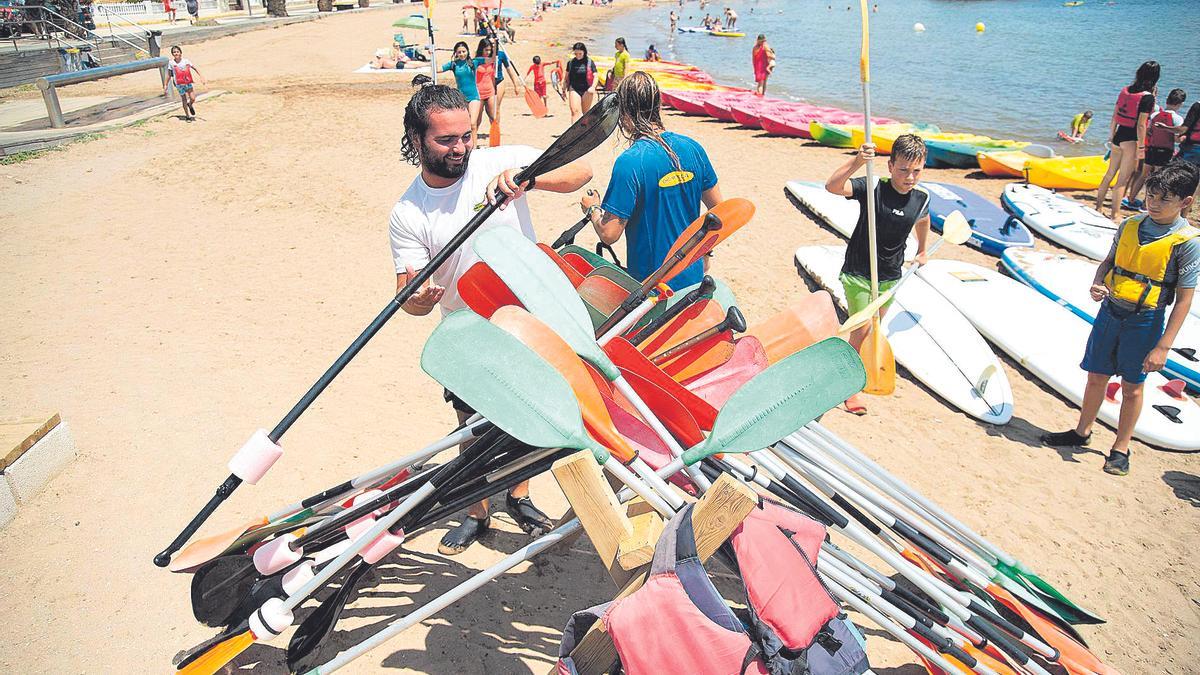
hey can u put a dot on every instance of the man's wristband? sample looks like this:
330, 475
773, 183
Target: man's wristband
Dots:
592, 209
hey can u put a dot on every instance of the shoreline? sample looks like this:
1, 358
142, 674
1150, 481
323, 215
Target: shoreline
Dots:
214, 269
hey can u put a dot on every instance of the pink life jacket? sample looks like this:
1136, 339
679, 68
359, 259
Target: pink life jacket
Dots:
1127, 107
678, 622
1156, 136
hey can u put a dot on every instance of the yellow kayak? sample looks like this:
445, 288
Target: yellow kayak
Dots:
1067, 173
1011, 163
884, 135
725, 33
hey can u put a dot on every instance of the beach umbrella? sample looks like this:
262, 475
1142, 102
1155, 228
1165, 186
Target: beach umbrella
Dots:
415, 22
583, 136
508, 13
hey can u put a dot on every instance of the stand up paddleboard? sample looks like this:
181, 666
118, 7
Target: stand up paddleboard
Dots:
1064, 221
930, 338
1067, 280
992, 230
1049, 340
834, 211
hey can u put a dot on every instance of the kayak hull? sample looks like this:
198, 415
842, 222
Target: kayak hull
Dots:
1066, 222
992, 229
1067, 173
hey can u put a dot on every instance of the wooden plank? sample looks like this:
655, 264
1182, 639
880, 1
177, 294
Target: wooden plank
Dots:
716, 516
638, 548
597, 508
18, 434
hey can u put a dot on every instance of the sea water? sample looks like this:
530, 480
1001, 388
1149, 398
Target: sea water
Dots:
1035, 65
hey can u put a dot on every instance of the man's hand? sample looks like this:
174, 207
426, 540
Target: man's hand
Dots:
507, 186
1098, 292
1155, 359
426, 297
590, 198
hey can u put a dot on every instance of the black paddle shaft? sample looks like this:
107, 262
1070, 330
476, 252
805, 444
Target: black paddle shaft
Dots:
705, 290
583, 136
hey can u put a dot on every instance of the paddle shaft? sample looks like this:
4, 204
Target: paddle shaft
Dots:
704, 290
568, 235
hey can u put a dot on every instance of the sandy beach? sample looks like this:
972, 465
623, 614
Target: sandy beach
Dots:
171, 287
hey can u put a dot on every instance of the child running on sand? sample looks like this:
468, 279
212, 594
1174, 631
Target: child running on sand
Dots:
538, 70
1160, 145
1135, 103
900, 207
179, 71
1154, 260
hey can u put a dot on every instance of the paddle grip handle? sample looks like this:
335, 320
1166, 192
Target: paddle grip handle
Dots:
854, 513
933, 611
999, 639
223, 491
912, 610
930, 546
945, 646
568, 235
674, 310
828, 514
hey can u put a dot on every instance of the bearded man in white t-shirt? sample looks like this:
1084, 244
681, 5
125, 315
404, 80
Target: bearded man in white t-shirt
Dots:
456, 181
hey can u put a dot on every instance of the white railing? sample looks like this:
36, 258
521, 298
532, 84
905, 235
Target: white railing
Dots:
153, 11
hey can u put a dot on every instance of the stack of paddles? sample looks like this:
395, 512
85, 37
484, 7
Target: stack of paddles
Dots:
561, 351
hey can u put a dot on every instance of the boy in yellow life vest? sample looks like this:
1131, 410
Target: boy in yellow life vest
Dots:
1154, 262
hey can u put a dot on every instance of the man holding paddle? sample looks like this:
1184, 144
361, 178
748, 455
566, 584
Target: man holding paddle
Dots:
900, 207
454, 183
657, 185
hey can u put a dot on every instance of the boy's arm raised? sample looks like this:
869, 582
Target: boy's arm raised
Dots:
838, 182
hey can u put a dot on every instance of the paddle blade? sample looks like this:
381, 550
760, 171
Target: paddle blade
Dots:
955, 229
204, 550
717, 385
603, 294
585, 135
692, 321
1060, 604
784, 398
536, 105
807, 321
304, 649
701, 357
217, 589
483, 291
733, 213
550, 347
543, 290
573, 275
630, 359
494, 134
1074, 657
879, 362
213, 660
505, 382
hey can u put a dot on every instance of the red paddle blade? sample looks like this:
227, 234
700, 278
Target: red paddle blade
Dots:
717, 385
535, 103
573, 274
674, 416
484, 291
577, 261
628, 358
602, 293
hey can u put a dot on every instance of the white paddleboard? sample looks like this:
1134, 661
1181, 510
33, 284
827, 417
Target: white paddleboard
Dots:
837, 212
1067, 280
1049, 340
1064, 221
930, 338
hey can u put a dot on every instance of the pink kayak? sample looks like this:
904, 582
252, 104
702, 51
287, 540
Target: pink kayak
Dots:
746, 113
719, 107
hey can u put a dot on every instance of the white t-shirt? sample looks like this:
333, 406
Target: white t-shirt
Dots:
181, 70
426, 219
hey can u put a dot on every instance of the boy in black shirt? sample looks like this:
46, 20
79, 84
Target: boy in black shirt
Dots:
900, 206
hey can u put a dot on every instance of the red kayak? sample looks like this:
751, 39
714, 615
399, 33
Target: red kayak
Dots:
689, 102
785, 124
719, 107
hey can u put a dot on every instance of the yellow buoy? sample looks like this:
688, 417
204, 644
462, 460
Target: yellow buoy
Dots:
979, 27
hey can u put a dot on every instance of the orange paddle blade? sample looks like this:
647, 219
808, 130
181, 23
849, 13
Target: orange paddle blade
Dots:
734, 213
572, 273
701, 358
204, 550
494, 134
809, 320
219, 655
1073, 657
542, 340
602, 293
536, 105
484, 291
877, 358
697, 318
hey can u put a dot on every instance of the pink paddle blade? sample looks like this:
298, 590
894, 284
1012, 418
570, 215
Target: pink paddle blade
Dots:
717, 385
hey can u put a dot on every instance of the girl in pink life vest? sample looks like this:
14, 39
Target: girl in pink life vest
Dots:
1127, 130
179, 72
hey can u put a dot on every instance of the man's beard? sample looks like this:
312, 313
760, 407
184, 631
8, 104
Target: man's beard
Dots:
442, 166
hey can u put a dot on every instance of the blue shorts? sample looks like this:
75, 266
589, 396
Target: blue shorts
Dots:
1191, 154
1120, 342
183, 88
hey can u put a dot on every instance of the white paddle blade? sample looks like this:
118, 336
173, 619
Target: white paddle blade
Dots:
955, 229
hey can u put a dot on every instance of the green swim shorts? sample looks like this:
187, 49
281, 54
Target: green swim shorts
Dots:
858, 291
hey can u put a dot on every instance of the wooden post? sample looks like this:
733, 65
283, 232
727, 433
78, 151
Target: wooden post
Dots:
597, 508
716, 516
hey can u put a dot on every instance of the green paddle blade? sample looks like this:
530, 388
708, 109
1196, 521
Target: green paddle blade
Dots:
505, 382
544, 290
722, 295
1062, 606
783, 398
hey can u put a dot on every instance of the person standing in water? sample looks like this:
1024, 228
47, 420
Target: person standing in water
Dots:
1127, 130
455, 179
901, 207
763, 59
1154, 262
581, 78
674, 20
658, 185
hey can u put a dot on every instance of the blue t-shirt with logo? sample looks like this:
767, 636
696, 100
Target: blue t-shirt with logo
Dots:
659, 201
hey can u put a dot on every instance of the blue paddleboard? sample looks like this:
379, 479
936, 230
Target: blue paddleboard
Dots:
992, 229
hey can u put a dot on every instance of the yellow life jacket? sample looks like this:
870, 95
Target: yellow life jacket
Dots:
1138, 271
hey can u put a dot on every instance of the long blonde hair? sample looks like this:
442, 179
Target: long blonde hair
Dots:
640, 106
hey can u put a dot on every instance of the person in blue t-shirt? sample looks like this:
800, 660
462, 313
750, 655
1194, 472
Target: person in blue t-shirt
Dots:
657, 185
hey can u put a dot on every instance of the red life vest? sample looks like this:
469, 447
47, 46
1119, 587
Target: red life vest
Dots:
1193, 134
1127, 107
1156, 136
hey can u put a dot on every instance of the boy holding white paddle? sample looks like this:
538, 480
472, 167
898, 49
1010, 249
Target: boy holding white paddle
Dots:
901, 206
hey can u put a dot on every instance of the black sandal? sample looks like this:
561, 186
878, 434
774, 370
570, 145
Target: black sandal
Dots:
527, 516
458, 539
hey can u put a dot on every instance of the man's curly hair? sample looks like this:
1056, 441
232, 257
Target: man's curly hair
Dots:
416, 116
